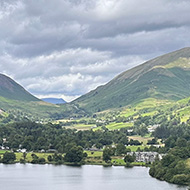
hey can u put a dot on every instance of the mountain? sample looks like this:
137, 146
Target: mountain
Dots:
166, 77
54, 100
12, 90
15, 99
16, 102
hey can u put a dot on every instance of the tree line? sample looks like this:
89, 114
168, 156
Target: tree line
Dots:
35, 137
174, 166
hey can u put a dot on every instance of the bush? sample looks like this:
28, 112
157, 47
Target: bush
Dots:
129, 158
8, 158
181, 179
50, 159
106, 155
22, 161
38, 161
41, 161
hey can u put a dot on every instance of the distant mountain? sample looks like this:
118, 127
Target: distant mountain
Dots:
165, 77
12, 90
54, 100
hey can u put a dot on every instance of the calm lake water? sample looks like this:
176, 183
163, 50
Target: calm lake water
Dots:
50, 177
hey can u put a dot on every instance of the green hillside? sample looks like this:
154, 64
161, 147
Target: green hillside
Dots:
37, 110
16, 101
166, 77
11, 90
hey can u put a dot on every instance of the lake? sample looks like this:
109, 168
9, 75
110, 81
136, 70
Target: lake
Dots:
50, 177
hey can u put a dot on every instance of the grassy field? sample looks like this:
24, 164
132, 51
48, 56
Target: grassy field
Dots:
150, 113
80, 126
181, 62
151, 103
114, 126
144, 140
134, 148
118, 161
184, 113
146, 107
128, 112
96, 158
94, 153
93, 158
3, 151
91, 154
188, 163
29, 157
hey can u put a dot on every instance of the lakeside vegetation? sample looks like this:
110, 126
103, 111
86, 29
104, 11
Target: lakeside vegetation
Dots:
109, 147
89, 158
101, 130
174, 167
37, 139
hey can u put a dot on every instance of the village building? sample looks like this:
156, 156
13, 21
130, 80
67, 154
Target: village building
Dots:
145, 156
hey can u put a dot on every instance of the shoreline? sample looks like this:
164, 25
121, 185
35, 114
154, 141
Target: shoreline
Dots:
94, 164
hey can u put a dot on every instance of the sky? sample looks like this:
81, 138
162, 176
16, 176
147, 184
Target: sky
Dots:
66, 48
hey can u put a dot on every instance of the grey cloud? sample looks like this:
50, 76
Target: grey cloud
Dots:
45, 27
71, 46
79, 74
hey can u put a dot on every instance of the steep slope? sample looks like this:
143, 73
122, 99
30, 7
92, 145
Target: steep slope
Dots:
12, 90
165, 77
15, 100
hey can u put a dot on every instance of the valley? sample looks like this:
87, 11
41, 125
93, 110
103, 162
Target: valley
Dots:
145, 110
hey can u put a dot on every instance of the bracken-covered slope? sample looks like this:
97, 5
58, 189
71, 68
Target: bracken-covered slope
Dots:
165, 77
11, 90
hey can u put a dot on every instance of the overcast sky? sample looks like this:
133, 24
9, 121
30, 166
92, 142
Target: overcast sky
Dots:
65, 48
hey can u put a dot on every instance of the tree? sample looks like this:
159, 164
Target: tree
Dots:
120, 149
41, 143
167, 160
99, 145
57, 158
181, 142
8, 158
74, 155
153, 141
50, 159
24, 155
181, 179
41, 161
129, 158
106, 155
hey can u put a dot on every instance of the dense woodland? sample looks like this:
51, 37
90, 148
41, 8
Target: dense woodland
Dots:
36, 137
174, 167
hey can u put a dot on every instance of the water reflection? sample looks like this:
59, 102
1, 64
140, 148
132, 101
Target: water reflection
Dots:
50, 177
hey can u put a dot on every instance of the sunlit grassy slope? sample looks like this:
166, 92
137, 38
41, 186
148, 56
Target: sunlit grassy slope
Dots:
11, 90
158, 84
163, 78
188, 163
38, 109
